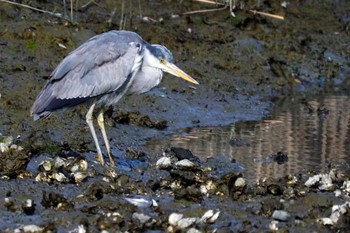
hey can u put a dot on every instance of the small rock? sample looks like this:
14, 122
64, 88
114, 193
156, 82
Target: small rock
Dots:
186, 222
143, 218
181, 153
337, 193
9, 204
28, 207
281, 215
53, 200
274, 189
280, 157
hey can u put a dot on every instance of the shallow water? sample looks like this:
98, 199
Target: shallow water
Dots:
311, 133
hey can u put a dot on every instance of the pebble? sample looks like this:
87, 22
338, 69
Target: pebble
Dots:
143, 218
9, 203
186, 222
281, 215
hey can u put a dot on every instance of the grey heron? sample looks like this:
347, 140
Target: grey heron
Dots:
100, 72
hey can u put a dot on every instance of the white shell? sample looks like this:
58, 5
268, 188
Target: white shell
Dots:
193, 230
59, 162
60, 177
79, 176
214, 218
207, 215
163, 162
337, 212
346, 186
185, 163
273, 225
174, 218
240, 182
32, 228
5, 143
324, 180
141, 202
46, 165
210, 216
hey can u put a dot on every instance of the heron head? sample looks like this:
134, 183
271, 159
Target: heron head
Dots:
161, 52
164, 60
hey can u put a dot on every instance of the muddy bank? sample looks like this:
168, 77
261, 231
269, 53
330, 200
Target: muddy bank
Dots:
179, 193
244, 65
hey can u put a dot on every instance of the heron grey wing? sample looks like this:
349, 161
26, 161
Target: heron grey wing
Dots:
87, 53
100, 65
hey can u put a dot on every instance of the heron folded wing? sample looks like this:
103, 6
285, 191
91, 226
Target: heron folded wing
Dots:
99, 66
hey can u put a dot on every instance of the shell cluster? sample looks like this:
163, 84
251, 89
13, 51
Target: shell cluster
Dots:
178, 221
13, 158
71, 169
189, 179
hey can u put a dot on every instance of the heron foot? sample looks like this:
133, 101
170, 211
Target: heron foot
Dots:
111, 161
100, 159
111, 164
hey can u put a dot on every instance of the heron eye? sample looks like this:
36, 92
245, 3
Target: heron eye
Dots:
161, 60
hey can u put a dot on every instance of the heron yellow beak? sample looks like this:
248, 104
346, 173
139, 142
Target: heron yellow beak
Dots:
176, 71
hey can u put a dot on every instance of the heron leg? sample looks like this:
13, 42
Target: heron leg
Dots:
89, 121
100, 121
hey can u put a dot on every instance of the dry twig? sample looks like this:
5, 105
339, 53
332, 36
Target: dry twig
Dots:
228, 4
58, 15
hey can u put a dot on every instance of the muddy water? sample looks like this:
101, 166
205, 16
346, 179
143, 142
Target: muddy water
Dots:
310, 133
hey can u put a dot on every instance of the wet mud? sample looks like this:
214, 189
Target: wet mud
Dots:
245, 65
